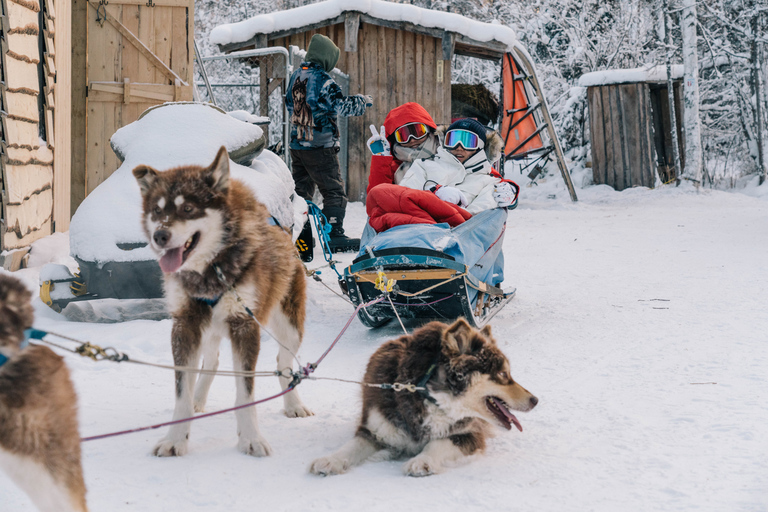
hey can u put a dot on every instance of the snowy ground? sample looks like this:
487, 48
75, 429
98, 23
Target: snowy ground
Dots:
640, 323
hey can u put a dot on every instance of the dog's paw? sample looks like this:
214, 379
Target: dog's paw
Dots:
255, 447
297, 410
421, 466
199, 402
326, 466
170, 448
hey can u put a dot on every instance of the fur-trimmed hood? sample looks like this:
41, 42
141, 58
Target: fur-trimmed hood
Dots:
493, 147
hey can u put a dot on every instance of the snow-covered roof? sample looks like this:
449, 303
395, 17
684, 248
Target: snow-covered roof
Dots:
245, 30
624, 76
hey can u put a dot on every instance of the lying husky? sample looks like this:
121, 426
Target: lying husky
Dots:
218, 245
39, 439
468, 389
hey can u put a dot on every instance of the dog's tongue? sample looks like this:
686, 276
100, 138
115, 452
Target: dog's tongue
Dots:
171, 260
505, 415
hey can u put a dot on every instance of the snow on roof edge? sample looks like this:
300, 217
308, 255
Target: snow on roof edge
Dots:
314, 13
622, 76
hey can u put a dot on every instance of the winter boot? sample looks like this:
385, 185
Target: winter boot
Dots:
339, 241
306, 243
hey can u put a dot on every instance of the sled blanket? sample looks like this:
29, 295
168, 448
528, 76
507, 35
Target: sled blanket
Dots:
390, 205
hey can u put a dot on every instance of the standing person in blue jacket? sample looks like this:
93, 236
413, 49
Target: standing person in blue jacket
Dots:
314, 101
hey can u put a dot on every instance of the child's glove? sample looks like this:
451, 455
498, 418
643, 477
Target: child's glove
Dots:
378, 143
452, 195
368, 100
504, 194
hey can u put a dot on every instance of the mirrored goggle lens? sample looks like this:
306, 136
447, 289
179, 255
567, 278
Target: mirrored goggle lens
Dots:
468, 140
410, 131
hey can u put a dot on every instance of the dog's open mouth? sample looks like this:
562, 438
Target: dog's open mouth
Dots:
174, 258
502, 413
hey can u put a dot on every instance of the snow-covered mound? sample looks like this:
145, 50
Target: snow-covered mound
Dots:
167, 137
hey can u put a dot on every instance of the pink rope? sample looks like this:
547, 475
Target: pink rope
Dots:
184, 420
309, 368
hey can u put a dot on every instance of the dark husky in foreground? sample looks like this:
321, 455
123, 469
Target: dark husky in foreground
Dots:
217, 245
39, 439
469, 389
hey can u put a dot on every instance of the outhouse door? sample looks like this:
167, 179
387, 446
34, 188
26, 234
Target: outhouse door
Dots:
139, 54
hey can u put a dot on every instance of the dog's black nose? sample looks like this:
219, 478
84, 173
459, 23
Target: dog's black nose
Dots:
534, 401
161, 237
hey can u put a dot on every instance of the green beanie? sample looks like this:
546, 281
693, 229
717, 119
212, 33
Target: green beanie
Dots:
322, 51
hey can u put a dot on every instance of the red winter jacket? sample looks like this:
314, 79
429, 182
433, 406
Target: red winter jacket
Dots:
390, 205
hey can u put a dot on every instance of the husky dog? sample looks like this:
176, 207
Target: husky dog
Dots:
39, 439
468, 389
302, 115
223, 259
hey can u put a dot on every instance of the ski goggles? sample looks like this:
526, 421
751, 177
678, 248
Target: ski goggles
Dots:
411, 131
468, 140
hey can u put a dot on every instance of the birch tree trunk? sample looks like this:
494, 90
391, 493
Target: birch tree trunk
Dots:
671, 91
757, 89
691, 120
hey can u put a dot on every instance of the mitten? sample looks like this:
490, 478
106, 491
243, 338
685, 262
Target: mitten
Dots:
378, 143
504, 194
452, 195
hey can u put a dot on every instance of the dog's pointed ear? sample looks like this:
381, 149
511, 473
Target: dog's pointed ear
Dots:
458, 337
487, 333
218, 173
145, 176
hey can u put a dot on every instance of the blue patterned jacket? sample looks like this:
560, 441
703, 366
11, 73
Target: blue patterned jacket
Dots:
314, 100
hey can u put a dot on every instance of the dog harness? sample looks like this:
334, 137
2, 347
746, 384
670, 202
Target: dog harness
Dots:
422, 384
28, 333
272, 221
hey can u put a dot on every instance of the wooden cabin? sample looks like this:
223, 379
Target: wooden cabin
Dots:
34, 124
630, 126
393, 61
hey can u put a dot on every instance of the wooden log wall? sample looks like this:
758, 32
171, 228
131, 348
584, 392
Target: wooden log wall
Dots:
395, 67
622, 137
28, 139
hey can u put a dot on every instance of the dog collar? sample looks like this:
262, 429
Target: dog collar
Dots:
28, 333
210, 302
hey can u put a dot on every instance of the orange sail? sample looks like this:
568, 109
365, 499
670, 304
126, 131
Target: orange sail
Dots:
518, 127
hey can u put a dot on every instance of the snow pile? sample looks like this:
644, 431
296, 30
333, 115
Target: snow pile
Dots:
321, 11
623, 76
167, 137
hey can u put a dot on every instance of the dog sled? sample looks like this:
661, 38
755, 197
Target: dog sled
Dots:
431, 271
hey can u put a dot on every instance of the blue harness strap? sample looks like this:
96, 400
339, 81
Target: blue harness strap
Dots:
272, 221
36, 334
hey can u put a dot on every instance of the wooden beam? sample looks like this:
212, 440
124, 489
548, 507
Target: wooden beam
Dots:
449, 43
135, 41
351, 29
155, 3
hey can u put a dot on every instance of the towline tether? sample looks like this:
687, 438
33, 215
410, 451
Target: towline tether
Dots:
304, 372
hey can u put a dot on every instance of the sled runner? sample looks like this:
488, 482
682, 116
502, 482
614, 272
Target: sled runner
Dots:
431, 271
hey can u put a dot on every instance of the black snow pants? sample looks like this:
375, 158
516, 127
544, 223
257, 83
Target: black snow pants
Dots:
319, 166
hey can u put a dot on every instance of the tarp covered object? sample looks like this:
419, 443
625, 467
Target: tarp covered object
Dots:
476, 243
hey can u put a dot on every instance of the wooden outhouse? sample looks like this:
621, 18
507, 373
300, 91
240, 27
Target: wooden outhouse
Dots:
630, 126
399, 53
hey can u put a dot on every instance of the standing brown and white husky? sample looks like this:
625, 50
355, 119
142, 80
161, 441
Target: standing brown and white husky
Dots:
468, 389
216, 243
39, 439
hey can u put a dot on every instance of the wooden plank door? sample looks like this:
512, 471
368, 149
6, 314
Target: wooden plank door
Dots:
139, 55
